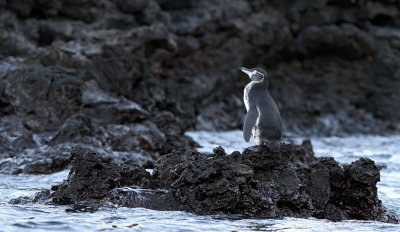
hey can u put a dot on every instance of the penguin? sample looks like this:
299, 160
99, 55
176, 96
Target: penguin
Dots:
263, 119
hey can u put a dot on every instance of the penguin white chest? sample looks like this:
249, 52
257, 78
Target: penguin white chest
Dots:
246, 96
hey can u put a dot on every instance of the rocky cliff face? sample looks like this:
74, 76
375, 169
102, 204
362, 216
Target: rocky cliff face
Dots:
131, 76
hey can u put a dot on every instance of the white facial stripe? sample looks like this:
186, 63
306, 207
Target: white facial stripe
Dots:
255, 72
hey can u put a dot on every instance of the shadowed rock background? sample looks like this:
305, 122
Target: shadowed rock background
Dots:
128, 78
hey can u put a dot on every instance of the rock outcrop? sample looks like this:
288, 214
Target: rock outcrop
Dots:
261, 184
257, 183
92, 177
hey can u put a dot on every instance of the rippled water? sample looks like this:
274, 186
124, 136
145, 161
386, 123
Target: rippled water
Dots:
33, 217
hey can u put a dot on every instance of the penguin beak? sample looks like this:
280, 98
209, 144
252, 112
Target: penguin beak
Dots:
246, 70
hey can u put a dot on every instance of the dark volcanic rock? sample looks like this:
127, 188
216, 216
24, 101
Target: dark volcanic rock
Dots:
333, 65
43, 160
344, 41
40, 197
100, 73
75, 128
255, 184
261, 184
130, 7
145, 198
92, 177
48, 111
44, 94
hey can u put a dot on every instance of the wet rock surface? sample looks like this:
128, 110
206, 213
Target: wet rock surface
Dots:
92, 177
47, 112
110, 74
257, 183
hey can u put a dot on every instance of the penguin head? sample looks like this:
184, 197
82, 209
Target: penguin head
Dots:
255, 74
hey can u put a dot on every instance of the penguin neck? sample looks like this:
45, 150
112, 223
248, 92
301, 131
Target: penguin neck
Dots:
262, 84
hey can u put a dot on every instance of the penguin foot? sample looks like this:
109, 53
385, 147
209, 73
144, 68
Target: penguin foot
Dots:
274, 145
257, 148
260, 148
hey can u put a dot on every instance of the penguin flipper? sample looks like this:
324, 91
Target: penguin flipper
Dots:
249, 122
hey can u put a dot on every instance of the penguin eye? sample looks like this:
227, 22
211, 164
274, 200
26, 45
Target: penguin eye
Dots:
258, 73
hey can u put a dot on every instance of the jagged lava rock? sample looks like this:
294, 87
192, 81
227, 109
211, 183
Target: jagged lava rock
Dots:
256, 183
261, 184
95, 179
92, 177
